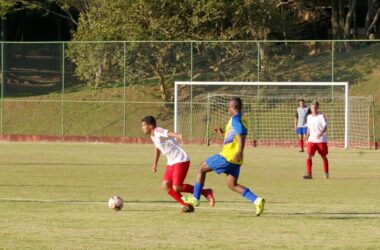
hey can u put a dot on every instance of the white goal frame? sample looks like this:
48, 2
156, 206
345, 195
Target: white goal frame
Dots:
344, 84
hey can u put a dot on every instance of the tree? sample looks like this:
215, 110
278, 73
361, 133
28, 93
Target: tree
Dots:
12, 6
174, 20
372, 16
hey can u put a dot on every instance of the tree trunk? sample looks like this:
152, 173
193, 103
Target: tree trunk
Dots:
335, 20
163, 90
99, 72
368, 17
348, 22
3, 28
374, 21
4, 38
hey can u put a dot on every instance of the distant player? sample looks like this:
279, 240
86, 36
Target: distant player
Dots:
178, 163
316, 139
230, 159
300, 126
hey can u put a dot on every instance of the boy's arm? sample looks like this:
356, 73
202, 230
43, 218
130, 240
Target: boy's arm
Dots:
323, 131
324, 128
307, 134
295, 121
157, 154
219, 131
175, 135
239, 154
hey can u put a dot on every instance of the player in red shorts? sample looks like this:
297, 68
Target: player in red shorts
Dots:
178, 163
316, 139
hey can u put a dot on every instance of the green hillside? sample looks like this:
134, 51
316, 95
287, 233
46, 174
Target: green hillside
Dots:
102, 112
33, 102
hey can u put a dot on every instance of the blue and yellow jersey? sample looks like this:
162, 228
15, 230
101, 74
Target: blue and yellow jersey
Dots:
237, 125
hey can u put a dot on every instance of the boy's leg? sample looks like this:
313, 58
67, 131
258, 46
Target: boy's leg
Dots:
310, 148
309, 164
188, 188
300, 142
201, 177
168, 186
323, 151
246, 193
179, 176
198, 186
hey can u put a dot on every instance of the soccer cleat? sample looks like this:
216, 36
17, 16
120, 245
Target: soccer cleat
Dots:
326, 175
210, 197
307, 176
187, 209
191, 200
301, 151
259, 203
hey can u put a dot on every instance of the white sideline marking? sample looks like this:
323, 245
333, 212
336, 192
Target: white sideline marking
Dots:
129, 203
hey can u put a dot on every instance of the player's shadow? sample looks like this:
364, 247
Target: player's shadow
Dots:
64, 164
126, 210
356, 178
43, 185
204, 201
335, 215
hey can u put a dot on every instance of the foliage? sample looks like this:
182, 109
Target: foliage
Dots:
10, 6
162, 20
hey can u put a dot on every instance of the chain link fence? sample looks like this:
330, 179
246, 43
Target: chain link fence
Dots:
105, 88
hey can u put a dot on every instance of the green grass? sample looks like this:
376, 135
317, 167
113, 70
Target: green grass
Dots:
54, 196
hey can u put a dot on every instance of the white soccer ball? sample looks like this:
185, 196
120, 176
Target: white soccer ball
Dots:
116, 203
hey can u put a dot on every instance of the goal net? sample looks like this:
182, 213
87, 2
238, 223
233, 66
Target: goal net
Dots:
270, 109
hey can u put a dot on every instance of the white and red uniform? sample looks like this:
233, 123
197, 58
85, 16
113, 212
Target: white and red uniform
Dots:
178, 162
316, 124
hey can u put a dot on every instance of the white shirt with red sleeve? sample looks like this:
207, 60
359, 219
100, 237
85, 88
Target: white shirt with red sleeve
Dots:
169, 147
316, 125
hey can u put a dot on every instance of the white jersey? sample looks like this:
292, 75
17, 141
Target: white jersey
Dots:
169, 147
301, 116
316, 124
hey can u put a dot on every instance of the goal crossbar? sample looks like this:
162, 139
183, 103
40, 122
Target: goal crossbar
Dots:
213, 83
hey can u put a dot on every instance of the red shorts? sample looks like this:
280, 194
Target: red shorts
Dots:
176, 173
321, 147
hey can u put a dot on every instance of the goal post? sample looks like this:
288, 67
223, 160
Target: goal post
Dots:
226, 89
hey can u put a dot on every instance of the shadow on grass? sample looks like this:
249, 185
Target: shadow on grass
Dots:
65, 164
356, 178
43, 185
331, 213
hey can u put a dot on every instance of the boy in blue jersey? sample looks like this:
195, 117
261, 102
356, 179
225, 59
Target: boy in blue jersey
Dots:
229, 160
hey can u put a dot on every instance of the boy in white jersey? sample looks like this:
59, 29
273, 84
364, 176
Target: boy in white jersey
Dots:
300, 126
178, 163
316, 139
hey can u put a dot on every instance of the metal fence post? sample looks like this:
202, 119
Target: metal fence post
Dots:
373, 123
125, 88
332, 87
258, 63
258, 95
208, 120
191, 90
63, 91
2, 87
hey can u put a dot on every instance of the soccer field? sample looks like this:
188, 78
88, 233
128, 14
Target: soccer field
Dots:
55, 196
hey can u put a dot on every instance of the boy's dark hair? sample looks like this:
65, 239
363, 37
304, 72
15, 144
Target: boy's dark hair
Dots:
150, 120
315, 102
301, 100
238, 103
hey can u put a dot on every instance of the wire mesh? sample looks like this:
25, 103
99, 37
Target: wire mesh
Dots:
105, 88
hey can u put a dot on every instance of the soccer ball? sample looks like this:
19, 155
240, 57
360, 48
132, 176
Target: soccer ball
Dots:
116, 203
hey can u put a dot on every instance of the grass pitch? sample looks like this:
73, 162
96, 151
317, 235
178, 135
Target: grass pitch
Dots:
55, 196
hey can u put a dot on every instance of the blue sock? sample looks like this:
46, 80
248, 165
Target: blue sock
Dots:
197, 190
249, 195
